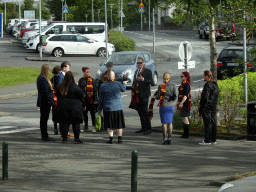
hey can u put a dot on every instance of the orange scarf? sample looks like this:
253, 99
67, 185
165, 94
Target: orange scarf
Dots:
55, 100
160, 104
135, 87
89, 90
105, 78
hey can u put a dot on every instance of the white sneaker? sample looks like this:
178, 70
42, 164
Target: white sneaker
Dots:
214, 143
203, 143
93, 130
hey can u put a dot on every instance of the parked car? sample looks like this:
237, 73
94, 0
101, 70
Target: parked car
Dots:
203, 30
227, 60
33, 28
247, 184
225, 30
60, 44
126, 62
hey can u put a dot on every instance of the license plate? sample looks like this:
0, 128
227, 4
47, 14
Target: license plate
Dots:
233, 64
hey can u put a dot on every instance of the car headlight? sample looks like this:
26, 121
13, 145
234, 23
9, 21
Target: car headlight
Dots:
226, 186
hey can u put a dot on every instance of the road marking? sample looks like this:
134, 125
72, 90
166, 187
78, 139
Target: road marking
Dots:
18, 130
7, 127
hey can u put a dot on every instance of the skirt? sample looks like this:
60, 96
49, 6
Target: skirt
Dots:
184, 112
114, 119
166, 114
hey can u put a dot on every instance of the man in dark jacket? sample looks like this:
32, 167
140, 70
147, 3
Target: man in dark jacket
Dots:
208, 104
140, 95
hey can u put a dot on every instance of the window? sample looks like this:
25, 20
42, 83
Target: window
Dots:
82, 39
93, 29
55, 38
68, 38
146, 57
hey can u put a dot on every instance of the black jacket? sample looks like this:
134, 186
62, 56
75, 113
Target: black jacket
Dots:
144, 86
82, 83
209, 96
69, 108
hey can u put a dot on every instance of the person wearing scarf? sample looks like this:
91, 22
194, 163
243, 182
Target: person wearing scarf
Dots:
166, 94
88, 85
184, 102
140, 95
207, 109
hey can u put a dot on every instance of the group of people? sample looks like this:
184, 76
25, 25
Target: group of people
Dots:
71, 102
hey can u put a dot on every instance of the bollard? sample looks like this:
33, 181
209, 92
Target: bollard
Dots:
5, 160
134, 171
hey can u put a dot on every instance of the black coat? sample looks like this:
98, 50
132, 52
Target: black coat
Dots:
82, 83
45, 94
69, 109
144, 86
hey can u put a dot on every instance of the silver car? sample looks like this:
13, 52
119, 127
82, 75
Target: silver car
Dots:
126, 62
203, 30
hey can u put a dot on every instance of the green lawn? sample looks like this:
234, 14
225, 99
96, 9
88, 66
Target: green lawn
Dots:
12, 76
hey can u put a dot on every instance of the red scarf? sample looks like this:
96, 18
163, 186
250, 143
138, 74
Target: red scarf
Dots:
135, 88
160, 104
89, 89
181, 95
55, 100
105, 78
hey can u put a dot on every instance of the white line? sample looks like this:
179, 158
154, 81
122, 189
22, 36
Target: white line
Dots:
18, 130
124, 95
7, 127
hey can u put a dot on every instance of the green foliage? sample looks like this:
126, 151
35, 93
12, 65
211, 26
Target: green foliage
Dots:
121, 42
177, 122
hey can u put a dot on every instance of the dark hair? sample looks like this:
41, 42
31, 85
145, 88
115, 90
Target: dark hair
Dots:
65, 84
141, 59
56, 70
208, 73
186, 74
85, 68
64, 64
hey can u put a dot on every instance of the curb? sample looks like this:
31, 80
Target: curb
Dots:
45, 59
18, 95
4, 114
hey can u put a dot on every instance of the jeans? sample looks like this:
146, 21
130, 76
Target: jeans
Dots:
210, 125
44, 116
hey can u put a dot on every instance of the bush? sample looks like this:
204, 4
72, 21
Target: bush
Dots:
121, 42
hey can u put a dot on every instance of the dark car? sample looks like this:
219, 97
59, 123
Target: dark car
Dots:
225, 30
227, 60
126, 62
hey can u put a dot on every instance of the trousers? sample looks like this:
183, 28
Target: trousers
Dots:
44, 117
210, 125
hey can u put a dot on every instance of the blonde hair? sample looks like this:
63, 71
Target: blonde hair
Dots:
166, 76
111, 75
45, 72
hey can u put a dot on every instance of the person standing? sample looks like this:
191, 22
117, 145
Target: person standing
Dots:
65, 67
44, 100
207, 109
70, 106
166, 94
104, 76
55, 80
184, 102
111, 102
140, 95
88, 86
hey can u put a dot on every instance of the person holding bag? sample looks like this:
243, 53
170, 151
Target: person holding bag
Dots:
166, 93
111, 102
89, 87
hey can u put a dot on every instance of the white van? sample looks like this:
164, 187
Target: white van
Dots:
93, 30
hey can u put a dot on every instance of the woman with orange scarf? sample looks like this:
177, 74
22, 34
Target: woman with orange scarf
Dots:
184, 102
88, 85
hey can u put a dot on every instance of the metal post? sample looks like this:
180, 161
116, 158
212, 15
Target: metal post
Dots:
141, 21
62, 10
92, 12
86, 17
245, 66
65, 13
106, 29
111, 6
134, 171
121, 16
98, 15
186, 57
154, 32
40, 43
5, 160
19, 12
148, 15
5, 13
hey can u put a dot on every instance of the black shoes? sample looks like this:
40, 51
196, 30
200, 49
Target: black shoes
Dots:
184, 136
47, 139
120, 140
140, 131
110, 141
167, 141
147, 132
55, 131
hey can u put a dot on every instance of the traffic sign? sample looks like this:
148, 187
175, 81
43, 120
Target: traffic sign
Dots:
65, 10
121, 14
141, 9
141, 5
191, 64
182, 51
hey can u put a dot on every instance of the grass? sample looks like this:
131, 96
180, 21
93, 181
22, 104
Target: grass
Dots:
237, 176
13, 76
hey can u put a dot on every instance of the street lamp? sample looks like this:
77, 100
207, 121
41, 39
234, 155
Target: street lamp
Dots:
86, 17
111, 6
92, 12
62, 1
98, 15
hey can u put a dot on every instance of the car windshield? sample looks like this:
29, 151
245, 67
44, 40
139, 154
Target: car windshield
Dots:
46, 28
123, 59
232, 53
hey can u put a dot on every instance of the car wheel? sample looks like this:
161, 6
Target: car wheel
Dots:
101, 52
155, 77
38, 47
200, 36
57, 52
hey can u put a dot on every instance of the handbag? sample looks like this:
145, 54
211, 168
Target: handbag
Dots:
99, 123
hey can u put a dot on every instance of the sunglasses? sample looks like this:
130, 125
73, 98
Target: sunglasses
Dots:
182, 76
139, 62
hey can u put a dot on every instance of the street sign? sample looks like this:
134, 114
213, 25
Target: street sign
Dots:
65, 10
182, 51
141, 5
191, 64
121, 14
1, 25
141, 9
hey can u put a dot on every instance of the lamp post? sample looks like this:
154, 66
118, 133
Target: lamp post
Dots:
62, 1
111, 6
92, 12
86, 17
98, 15
106, 29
